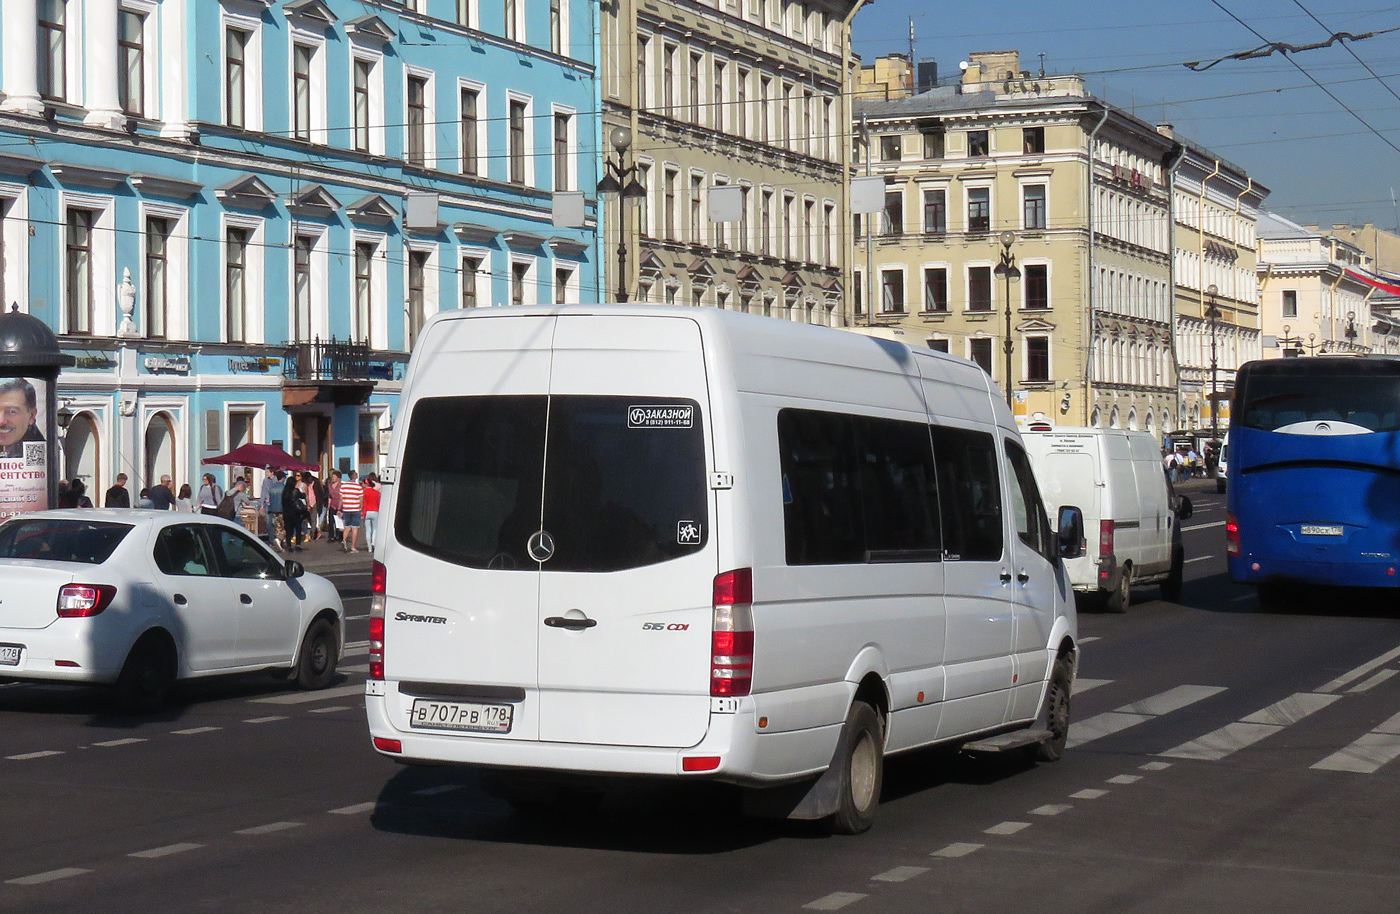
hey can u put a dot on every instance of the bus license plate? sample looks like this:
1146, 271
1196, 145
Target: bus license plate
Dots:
429, 714
9, 654
1322, 530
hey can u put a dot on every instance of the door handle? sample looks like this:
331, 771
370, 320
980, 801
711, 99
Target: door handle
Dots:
577, 625
1023, 577
1006, 577
180, 599
244, 598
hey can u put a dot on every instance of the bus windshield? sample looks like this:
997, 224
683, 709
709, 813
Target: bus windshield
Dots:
1357, 394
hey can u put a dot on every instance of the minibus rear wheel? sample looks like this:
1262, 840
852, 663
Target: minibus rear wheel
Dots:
862, 771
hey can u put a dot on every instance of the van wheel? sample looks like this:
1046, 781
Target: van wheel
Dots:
1117, 601
862, 770
1055, 716
1220, 485
316, 665
1171, 587
144, 683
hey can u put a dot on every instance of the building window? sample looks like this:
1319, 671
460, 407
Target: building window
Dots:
717, 99
364, 288
744, 194
131, 73
936, 289
561, 285
979, 289
668, 79
933, 144
561, 152
890, 149
741, 104
556, 26
417, 120
519, 275
641, 73
1290, 303
363, 70
301, 91
235, 69
979, 210
935, 211
696, 185
892, 291
79, 251
694, 83
668, 205
1037, 358
980, 351
765, 228
466, 13
978, 144
471, 266
787, 116
1037, 279
157, 276
1033, 141
512, 14
301, 287
808, 210
764, 94
53, 67
894, 212
417, 294
938, 345
517, 142
470, 125
236, 283
1033, 206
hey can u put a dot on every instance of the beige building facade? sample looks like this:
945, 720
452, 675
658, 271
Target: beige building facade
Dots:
1079, 190
747, 94
1310, 303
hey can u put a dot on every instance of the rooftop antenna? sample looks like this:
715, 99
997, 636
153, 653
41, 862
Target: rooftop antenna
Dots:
1396, 209
1042, 64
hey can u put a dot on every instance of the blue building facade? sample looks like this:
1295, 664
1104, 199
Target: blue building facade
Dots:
237, 214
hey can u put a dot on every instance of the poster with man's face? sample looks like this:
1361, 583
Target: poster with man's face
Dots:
24, 456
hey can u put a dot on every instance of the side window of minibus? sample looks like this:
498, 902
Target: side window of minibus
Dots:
1032, 526
970, 494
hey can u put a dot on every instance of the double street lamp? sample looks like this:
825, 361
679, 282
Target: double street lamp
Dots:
621, 179
1008, 270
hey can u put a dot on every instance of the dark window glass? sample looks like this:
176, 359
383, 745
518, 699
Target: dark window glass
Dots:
417, 293
856, 489
979, 209
301, 91
979, 288
1290, 303
1368, 396
1027, 510
933, 144
936, 211
183, 550
980, 351
971, 503
363, 69
890, 149
936, 289
517, 142
417, 120
1034, 206
977, 143
1037, 286
1037, 358
79, 251
1033, 140
234, 76
157, 240
469, 132
90, 543
938, 345
131, 81
892, 292
240, 557
894, 212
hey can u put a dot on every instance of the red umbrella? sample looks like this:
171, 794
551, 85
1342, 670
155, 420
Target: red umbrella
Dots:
262, 455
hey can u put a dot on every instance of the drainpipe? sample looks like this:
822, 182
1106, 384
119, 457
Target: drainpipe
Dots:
1249, 189
1201, 251
1171, 163
1090, 278
847, 93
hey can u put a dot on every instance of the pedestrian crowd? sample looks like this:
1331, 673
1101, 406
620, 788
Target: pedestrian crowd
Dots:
1185, 462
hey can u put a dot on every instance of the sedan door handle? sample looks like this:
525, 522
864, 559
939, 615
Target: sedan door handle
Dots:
577, 625
180, 599
244, 598
1023, 577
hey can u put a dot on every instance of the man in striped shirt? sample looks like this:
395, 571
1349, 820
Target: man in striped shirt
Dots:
352, 499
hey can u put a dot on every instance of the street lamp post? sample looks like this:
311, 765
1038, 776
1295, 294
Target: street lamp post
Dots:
1008, 270
1213, 315
616, 173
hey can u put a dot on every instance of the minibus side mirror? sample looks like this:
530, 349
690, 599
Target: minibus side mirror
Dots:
1071, 532
1183, 508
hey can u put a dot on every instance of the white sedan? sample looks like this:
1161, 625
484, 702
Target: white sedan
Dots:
140, 599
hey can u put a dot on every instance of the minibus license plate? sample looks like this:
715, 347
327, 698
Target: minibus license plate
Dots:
429, 714
9, 654
1322, 530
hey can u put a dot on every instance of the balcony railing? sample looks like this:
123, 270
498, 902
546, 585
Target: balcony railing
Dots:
328, 360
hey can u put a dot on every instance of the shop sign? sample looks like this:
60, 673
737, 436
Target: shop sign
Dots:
1132, 177
24, 460
251, 366
94, 361
161, 365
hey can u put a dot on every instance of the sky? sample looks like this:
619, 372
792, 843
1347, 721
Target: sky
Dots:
1322, 164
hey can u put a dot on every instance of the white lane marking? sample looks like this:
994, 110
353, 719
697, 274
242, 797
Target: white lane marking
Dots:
1089, 793
1054, 809
113, 743
50, 876
1007, 828
1219, 523
434, 791
268, 828
1155, 766
193, 731
1369, 684
1131, 715
1201, 558
329, 710
353, 810
166, 851
1124, 779
833, 902
45, 753
1367, 754
265, 720
1352, 675
1089, 639
900, 874
1082, 685
957, 849
301, 698
1248, 596
1251, 729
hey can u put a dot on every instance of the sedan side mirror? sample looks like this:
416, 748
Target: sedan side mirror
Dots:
1183, 508
295, 570
1071, 534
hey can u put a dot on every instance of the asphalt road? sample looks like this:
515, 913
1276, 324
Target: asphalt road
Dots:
1224, 758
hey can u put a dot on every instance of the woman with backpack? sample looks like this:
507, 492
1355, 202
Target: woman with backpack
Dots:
293, 511
210, 495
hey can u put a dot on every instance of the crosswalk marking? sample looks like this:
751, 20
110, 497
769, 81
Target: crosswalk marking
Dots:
833, 902
1251, 729
301, 698
1352, 675
957, 849
157, 852
1082, 685
51, 876
43, 753
900, 874
1131, 715
268, 828
1367, 685
1368, 753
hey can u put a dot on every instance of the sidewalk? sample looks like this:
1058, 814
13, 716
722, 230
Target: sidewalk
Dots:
322, 555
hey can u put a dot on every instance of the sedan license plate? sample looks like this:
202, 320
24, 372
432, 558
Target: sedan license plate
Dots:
1321, 530
9, 654
430, 714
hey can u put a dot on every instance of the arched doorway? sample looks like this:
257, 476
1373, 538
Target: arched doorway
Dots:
160, 450
82, 453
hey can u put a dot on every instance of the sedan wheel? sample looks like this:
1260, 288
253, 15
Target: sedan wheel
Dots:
147, 676
316, 666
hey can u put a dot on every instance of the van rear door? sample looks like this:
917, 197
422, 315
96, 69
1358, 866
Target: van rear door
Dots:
629, 528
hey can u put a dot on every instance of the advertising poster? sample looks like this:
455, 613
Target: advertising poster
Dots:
24, 456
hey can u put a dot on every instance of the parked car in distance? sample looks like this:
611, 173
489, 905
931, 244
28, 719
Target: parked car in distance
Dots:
141, 599
1115, 477
1222, 465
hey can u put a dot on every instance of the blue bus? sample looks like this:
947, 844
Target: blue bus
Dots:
1314, 494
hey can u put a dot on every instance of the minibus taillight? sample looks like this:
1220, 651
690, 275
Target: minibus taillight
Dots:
377, 587
78, 601
731, 640
1105, 538
1232, 535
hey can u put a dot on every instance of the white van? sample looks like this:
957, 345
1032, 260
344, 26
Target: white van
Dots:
1118, 481
685, 542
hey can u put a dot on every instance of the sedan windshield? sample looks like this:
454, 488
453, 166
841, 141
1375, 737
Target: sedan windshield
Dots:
86, 542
